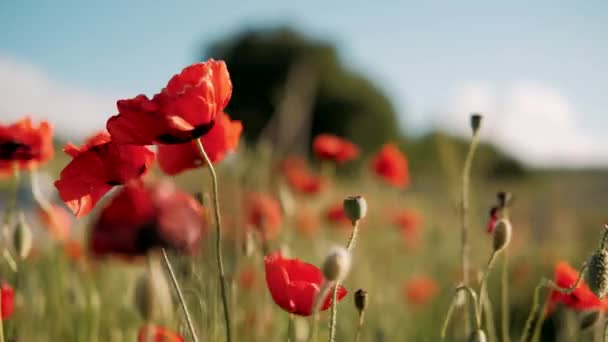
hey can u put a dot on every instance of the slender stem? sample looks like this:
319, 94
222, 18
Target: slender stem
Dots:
472, 306
466, 175
605, 334
218, 239
360, 325
315, 310
353, 237
180, 295
489, 314
291, 334
1, 324
504, 298
484, 280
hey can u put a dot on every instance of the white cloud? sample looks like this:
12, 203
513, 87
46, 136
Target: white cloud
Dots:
529, 119
25, 89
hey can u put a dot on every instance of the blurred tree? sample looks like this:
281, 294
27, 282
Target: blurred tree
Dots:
343, 102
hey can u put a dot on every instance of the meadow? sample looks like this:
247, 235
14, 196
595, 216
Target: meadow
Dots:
109, 242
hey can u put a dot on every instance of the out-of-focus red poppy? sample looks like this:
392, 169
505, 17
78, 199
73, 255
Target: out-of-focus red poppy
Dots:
333, 148
294, 284
247, 278
99, 165
306, 222
73, 249
335, 215
263, 213
581, 298
221, 139
300, 178
492, 220
156, 333
184, 110
409, 222
391, 166
144, 217
420, 290
8, 301
57, 221
25, 145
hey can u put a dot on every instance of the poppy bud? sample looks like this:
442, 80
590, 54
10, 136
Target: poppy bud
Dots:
355, 208
597, 273
590, 319
502, 235
475, 122
478, 336
152, 296
336, 264
22, 238
361, 300
504, 198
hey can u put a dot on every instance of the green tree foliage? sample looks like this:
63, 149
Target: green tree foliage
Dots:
345, 103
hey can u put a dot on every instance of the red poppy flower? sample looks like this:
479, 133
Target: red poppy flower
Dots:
391, 166
184, 110
263, 213
8, 299
57, 221
221, 139
299, 178
99, 165
581, 298
24, 144
420, 290
492, 220
335, 214
294, 284
247, 278
409, 222
144, 217
306, 222
156, 333
333, 148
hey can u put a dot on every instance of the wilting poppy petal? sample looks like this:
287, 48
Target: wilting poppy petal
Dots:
143, 217
24, 144
155, 333
221, 139
391, 166
294, 284
99, 165
333, 148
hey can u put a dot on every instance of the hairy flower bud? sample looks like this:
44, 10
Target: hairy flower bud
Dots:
361, 300
502, 235
336, 264
475, 122
22, 238
355, 208
152, 295
597, 273
478, 336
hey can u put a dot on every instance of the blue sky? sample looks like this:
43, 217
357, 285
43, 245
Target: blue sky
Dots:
537, 69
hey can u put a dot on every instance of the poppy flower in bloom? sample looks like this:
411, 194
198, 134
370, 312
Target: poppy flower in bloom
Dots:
144, 217
98, 166
57, 221
184, 110
155, 333
8, 299
263, 212
300, 178
221, 139
335, 214
409, 222
581, 298
333, 148
25, 144
420, 290
391, 166
294, 284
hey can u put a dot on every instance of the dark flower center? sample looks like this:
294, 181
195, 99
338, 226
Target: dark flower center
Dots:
197, 132
14, 150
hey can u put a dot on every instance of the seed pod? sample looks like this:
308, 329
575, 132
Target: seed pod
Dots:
478, 336
336, 264
502, 235
597, 273
475, 122
361, 300
22, 238
590, 319
504, 198
152, 296
355, 208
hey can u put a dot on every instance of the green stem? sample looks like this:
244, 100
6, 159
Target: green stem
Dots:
360, 325
466, 176
484, 280
472, 306
605, 334
218, 239
504, 298
180, 295
489, 314
291, 334
315, 311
